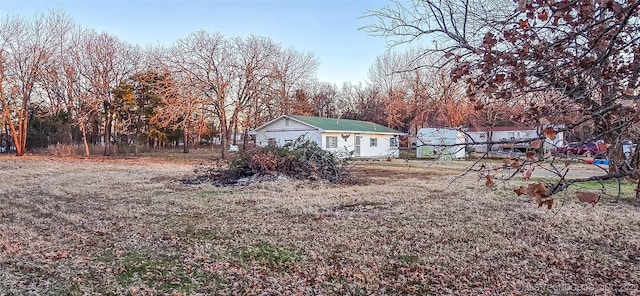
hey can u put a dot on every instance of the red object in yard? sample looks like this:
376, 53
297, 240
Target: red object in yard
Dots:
579, 149
589, 160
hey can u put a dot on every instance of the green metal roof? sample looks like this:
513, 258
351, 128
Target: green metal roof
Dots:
332, 124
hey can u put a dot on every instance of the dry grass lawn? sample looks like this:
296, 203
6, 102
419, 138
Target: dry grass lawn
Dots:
129, 226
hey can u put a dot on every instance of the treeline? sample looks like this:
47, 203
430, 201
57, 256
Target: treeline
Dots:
62, 83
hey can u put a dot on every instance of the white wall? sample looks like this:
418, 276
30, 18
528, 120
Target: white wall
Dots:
282, 137
478, 137
498, 136
347, 146
285, 129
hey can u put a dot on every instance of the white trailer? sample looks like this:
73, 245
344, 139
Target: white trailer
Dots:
440, 143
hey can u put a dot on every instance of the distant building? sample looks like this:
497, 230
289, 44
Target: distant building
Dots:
361, 139
508, 138
440, 143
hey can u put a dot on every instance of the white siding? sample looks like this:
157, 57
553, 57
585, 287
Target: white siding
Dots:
283, 130
517, 135
382, 149
282, 137
347, 146
478, 137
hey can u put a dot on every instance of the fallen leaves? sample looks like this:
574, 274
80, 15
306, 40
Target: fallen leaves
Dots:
543, 16
56, 255
515, 163
388, 248
531, 156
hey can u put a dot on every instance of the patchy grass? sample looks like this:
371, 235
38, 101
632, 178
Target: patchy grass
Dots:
609, 186
129, 226
272, 257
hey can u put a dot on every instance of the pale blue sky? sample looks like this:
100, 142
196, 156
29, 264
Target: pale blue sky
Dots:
327, 28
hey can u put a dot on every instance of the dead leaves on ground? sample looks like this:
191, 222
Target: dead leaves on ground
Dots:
56, 255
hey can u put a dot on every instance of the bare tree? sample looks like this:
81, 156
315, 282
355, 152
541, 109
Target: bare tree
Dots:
104, 62
253, 74
290, 70
363, 103
587, 52
205, 61
67, 90
323, 97
183, 107
390, 73
25, 47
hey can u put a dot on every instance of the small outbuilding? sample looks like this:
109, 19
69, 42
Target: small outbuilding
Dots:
344, 137
440, 143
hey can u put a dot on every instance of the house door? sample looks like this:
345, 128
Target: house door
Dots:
356, 152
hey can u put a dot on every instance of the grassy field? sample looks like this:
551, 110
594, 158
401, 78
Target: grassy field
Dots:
71, 226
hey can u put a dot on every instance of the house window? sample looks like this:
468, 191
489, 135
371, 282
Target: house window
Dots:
271, 142
286, 121
393, 142
373, 142
332, 142
483, 136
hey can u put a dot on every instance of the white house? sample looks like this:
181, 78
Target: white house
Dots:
509, 138
440, 143
342, 136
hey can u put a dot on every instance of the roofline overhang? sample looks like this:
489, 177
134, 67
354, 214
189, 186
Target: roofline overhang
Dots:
253, 132
362, 132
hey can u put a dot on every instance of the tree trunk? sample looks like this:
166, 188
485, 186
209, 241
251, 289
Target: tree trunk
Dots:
16, 141
107, 135
245, 139
489, 139
224, 141
235, 129
185, 140
616, 157
19, 135
224, 136
83, 129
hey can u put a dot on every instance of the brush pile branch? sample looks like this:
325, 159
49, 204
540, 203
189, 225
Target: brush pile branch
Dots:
301, 159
